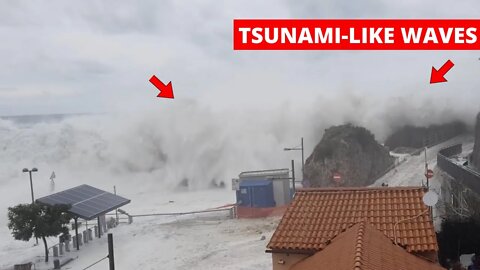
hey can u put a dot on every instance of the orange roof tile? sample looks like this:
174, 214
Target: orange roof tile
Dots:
362, 247
315, 216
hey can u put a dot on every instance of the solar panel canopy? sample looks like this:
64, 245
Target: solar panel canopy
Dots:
86, 201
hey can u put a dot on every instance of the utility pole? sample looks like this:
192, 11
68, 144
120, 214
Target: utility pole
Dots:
426, 167
293, 176
303, 162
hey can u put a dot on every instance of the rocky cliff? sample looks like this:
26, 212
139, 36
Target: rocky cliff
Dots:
417, 137
349, 151
476, 148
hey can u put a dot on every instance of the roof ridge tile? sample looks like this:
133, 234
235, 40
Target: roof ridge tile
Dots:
369, 248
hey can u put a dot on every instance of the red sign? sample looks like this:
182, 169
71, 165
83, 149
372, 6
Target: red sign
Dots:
356, 34
429, 174
337, 177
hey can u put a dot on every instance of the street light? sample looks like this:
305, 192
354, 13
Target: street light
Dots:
31, 184
303, 157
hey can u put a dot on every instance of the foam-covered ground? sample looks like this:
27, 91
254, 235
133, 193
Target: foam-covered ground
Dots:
199, 241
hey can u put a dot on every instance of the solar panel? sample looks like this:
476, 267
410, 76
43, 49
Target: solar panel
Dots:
86, 201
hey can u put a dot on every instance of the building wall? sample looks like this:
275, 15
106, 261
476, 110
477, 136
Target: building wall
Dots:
278, 193
458, 200
283, 261
281, 191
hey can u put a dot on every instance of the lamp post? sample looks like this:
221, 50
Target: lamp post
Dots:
31, 186
31, 183
303, 157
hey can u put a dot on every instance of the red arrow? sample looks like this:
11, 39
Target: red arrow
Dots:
438, 75
166, 91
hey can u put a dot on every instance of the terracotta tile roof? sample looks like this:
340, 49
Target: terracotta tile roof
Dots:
315, 216
362, 247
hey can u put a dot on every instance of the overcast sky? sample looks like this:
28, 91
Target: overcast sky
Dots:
97, 56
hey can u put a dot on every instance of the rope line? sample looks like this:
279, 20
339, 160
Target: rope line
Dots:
95, 262
181, 213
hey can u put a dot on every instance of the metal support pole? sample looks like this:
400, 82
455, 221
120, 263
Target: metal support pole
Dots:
116, 210
76, 233
99, 228
111, 257
293, 176
303, 163
301, 148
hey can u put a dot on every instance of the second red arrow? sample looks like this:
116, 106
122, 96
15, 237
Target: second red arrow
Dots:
437, 76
